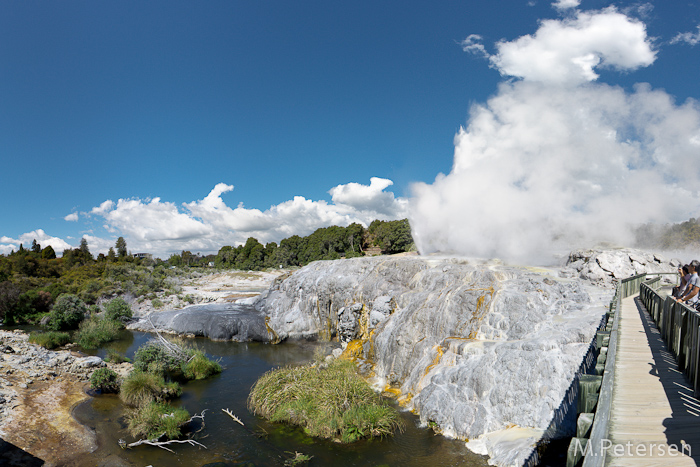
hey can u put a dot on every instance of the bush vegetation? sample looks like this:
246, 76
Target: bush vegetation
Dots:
327, 401
147, 386
118, 310
97, 331
32, 279
156, 420
67, 313
104, 380
49, 340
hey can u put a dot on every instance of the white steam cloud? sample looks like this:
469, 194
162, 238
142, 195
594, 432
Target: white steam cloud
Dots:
554, 161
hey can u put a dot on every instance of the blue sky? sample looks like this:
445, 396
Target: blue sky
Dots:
168, 105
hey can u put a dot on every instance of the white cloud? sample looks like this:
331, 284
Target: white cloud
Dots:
541, 167
566, 4
472, 44
687, 37
72, 217
208, 224
370, 198
7, 244
103, 208
567, 51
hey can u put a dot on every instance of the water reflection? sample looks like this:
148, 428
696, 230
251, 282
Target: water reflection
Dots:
258, 443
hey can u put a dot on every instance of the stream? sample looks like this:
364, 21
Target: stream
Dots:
258, 443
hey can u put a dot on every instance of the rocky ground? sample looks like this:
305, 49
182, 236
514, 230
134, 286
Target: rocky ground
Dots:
217, 287
38, 390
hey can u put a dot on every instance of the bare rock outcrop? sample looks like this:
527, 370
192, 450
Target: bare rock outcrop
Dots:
603, 266
473, 347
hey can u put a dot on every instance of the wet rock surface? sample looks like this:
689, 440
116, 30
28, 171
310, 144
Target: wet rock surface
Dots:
38, 390
225, 321
473, 347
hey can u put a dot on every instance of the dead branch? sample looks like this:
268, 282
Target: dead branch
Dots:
160, 444
235, 419
201, 415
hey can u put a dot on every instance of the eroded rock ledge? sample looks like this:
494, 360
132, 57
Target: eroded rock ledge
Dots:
477, 349
38, 390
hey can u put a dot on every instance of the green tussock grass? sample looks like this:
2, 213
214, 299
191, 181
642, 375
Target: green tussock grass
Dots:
200, 367
328, 402
49, 340
141, 388
156, 420
96, 331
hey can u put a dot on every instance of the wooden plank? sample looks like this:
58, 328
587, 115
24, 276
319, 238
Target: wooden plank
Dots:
652, 400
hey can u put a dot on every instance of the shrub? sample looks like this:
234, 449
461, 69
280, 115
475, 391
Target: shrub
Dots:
67, 313
154, 357
97, 331
156, 420
200, 367
141, 388
49, 340
105, 380
157, 303
115, 357
117, 309
329, 402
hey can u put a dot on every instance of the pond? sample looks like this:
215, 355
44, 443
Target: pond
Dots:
258, 443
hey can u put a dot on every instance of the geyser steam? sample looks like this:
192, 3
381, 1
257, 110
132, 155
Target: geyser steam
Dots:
555, 164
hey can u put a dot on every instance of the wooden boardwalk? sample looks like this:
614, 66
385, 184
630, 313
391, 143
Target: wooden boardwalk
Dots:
654, 420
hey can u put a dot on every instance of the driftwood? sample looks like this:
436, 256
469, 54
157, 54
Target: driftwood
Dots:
235, 419
171, 349
163, 444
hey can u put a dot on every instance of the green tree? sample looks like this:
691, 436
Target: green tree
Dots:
48, 253
111, 255
391, 236
67, 313
36, 248
84, 250
9, 298
121, 247
118, 310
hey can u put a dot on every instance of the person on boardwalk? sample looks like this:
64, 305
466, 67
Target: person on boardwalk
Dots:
679, 290
690, 294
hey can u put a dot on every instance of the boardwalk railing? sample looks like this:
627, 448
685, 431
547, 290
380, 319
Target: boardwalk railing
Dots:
591, 448
679, 326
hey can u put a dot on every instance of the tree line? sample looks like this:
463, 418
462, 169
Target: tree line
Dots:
326, 243
32, 279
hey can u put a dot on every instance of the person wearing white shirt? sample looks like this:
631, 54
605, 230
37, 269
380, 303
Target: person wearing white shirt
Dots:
690, 294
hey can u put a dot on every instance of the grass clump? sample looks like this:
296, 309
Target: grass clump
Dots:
96, 331
115, 357
141, 388
327, 401
200, 367
104, 380
49, 340
156, 420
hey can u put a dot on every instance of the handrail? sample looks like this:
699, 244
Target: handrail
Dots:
595, 455
679, 326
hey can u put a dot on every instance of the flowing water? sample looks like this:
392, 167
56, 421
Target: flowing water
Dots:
258, 443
